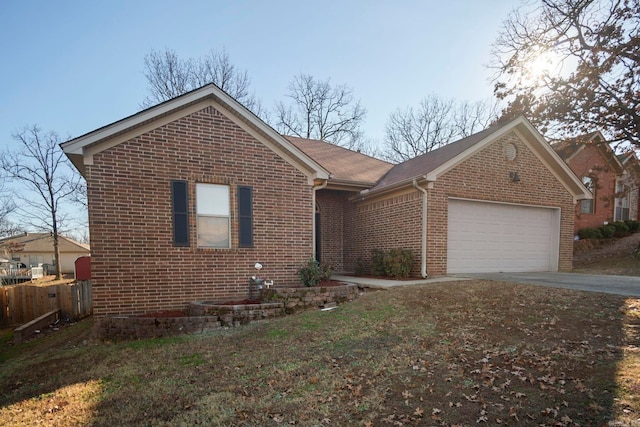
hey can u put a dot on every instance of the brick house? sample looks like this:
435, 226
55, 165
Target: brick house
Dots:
597, 166
185, 197
627, 202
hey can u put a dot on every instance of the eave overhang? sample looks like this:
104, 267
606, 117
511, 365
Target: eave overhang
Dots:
527, 133
81, 150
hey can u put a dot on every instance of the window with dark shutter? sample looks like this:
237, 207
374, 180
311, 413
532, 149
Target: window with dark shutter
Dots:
179, 201
245, 217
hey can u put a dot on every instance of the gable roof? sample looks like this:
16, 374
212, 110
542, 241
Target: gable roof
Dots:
434, 163
629, 160
347, 167
570, 147
429, 161
80, 150
43, 242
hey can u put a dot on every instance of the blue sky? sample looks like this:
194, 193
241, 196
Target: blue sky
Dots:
74, 66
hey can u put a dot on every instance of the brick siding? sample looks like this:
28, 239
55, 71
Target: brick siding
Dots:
590, 162
332, 213
136, 268
395, 221
485, 176
384, 224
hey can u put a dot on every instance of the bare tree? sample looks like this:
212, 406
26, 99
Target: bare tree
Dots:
319, 110
411, 132
472, 117
7, 206
47, 181
169, 76
572, 66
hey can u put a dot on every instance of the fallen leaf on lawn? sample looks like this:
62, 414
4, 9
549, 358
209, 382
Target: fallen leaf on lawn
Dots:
595, 407
418, 412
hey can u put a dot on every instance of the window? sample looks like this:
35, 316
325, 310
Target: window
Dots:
245, 217
586, 206
179, 201
622, 202
212, 210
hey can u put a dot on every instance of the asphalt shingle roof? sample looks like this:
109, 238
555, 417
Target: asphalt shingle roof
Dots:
342, 163
43, 242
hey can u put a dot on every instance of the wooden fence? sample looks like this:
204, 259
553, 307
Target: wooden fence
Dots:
23, 303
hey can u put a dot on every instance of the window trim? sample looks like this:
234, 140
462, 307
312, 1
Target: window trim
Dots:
202, 185
589, 184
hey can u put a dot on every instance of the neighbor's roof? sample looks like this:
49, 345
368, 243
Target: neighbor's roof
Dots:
43, 242
568, 147
572, 146
81, 150
346, 166
434, 163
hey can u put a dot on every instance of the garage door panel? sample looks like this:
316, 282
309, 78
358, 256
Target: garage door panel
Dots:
492, 237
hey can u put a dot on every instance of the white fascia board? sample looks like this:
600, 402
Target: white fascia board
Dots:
89, 144
433, 175
556, 165
542, 150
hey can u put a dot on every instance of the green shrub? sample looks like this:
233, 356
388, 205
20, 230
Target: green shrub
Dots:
325, 271
397, 263
633, 225
607, 231
393, 263
313, 273
589, 233
377, 262
621, 228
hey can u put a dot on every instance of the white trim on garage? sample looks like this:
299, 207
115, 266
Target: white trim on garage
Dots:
487, 237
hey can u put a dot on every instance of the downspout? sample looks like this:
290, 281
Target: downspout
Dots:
423, 267
313, 216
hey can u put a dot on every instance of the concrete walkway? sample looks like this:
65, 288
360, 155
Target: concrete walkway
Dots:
391, 283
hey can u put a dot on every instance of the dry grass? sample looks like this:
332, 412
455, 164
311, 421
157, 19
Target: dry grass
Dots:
461, 353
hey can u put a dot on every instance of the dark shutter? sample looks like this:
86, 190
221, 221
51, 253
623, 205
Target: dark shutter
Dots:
245, 217
179, 201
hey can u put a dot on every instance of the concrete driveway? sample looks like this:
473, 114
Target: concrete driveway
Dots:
620, 285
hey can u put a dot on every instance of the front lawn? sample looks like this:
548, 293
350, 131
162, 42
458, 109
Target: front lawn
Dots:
461, 353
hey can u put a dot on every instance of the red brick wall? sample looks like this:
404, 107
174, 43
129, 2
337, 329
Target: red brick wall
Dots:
485, 176
332, 212
396, 221
384, 224
590, 162
135, 266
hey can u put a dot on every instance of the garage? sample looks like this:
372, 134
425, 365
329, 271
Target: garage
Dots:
488, 237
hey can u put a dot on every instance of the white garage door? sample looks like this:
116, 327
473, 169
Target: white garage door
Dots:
493, 237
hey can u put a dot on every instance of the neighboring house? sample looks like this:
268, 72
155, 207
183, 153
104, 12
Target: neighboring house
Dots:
185, 197
627, 202
597, 166
36, 249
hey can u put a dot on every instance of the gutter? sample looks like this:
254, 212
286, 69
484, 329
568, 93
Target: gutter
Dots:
423, 266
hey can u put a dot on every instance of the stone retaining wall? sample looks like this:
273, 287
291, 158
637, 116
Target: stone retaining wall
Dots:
132, 327
298, 299
237, 314
209, 316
